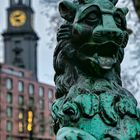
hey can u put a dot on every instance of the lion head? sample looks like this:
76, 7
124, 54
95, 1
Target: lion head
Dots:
91, 41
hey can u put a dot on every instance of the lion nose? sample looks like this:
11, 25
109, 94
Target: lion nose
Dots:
108, 31
101, 35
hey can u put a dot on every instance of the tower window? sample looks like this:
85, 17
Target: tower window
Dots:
26, 2
9, 84
17, 43
31, 89
16, 1
20, 86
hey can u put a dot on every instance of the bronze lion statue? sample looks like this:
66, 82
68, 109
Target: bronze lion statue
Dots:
91, 103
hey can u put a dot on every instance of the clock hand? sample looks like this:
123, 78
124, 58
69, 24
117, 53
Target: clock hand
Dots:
18, 15
17, 19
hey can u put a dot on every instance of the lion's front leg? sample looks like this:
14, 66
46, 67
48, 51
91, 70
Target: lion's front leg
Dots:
70, 133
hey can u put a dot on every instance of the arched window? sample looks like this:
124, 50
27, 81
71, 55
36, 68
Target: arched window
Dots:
41, 91
20, 123
41, 104
9, 84
21, 100
25, 2
31, 89
20, 86
9, 126
16, 1
9, 98
50, 94
9, 112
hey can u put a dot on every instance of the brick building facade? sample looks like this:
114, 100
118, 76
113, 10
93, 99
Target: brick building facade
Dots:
19, 94
24, 101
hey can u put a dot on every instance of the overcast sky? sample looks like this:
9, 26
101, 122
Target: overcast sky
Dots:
45, 54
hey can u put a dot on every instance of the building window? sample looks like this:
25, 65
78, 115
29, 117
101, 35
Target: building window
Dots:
20, 86
50, 94
31, 89
41, 91
42, 129
26, 2
41, 117
21, 74
51, 132
9, 98
20, 126
17, 1
9, 84
21, 115
31, 101
41, 104
20, 100
50, 105
9, 112
9, 138
20, 123
9, 126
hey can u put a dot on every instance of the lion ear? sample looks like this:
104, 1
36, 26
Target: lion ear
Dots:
125, 10
114, 1
67, 10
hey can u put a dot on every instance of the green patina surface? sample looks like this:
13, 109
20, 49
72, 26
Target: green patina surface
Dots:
91, 103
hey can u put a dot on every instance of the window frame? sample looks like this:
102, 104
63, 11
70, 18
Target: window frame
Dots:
9, 96
41, 92
9, 83
20, 96
50, 94
31, 89
11, 112
11, 126
20, 86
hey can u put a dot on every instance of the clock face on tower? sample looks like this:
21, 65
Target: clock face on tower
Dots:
17, 18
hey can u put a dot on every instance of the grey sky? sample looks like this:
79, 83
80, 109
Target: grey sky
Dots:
45, 54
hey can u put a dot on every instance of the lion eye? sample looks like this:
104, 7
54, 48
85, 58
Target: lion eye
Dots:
92, 16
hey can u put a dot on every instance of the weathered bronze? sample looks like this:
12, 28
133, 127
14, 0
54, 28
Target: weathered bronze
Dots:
91, 103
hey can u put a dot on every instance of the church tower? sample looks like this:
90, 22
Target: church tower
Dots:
20, 38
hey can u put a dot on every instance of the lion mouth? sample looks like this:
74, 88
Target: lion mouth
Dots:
105, 55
